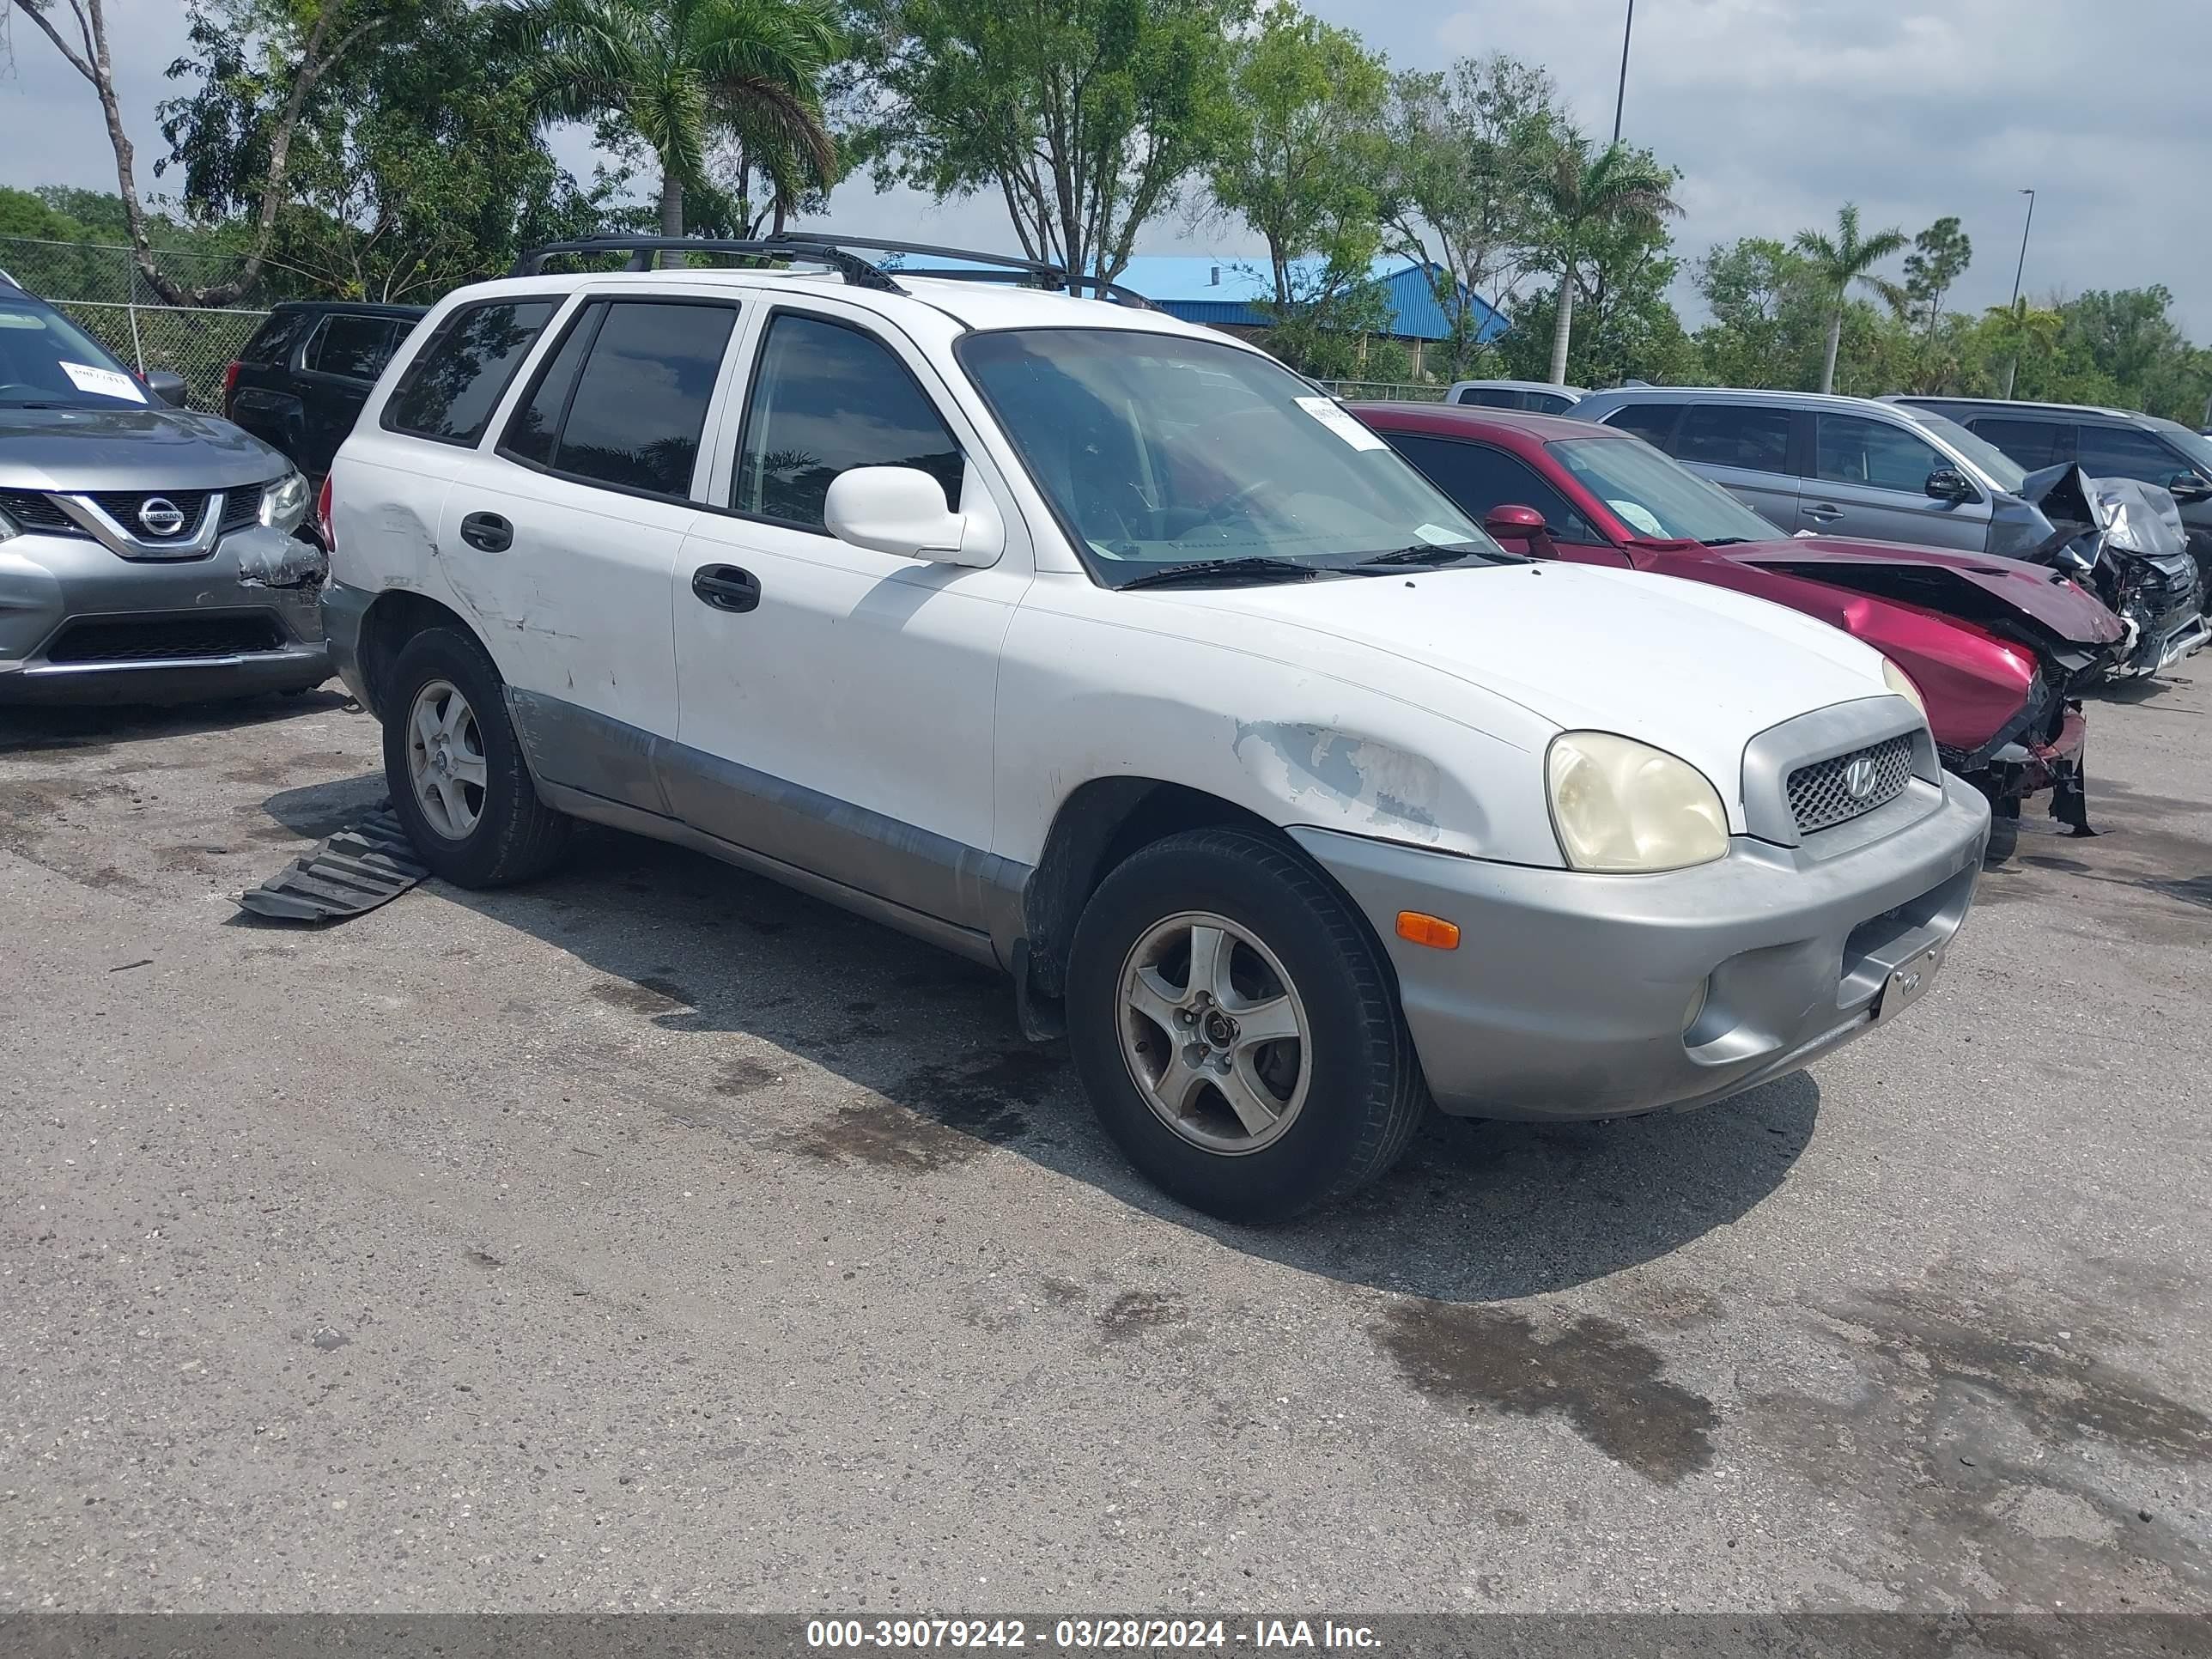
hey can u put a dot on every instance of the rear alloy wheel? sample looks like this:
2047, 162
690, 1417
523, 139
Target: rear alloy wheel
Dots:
455, 768
445, 760
1236, 1027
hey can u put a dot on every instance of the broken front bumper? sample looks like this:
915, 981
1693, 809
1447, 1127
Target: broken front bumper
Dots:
79, 623
1588, 996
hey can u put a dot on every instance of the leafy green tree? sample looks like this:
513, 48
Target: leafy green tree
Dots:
1461, 191
1590, 198
2022, 328
1307, 152
1085, 116
1836, 263
292, 45
420, 167
1750, 287
1939, 257
671, 74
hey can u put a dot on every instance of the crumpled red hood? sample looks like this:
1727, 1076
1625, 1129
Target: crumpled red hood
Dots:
1919, 576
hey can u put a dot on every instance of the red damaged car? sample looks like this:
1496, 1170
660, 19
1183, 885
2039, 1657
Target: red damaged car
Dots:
1994, 646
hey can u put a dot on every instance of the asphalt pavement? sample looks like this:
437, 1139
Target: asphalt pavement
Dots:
653, 1237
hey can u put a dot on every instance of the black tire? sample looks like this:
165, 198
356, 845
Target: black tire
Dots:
1364, 1091
516, 835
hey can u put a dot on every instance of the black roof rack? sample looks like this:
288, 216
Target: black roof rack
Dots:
829, 249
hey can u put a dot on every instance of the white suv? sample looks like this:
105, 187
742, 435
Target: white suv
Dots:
1102, 647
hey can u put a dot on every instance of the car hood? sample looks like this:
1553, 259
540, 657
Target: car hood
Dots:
85, 449
1956, 584
1695, 670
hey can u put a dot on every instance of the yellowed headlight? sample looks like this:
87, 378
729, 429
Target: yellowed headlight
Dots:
1623, 806
1901, 683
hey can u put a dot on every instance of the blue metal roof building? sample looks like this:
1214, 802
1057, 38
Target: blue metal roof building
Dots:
1230, 293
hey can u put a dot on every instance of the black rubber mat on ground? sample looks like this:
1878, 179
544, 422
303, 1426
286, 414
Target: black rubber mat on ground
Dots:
357, 869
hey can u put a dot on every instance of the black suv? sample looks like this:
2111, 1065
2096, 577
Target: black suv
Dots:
306, 372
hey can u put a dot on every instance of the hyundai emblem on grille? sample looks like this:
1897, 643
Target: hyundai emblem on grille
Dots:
159, 516
1858, 779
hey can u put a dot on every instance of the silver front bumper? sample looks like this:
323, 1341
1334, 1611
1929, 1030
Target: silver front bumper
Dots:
1586, 996
80, 623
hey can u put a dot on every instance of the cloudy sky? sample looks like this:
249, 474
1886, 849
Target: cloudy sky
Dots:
1774, 109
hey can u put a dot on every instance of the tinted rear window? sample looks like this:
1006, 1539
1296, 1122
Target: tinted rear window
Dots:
624, 400
355, 347
2032, 443
1745, 435
450, 390
273, 340
1653, 422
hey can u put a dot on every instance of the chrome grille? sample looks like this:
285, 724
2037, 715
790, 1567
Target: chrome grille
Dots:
241, 506
1821, 795
124, 506
30, 510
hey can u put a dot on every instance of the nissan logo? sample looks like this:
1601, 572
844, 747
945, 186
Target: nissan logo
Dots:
159, 516
1858, 779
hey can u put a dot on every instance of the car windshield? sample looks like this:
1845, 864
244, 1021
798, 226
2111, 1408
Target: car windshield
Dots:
1657, 496
1998, 470
46, 362
2194, 445
1158, 450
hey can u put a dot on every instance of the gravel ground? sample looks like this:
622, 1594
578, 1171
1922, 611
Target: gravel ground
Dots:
654, 1237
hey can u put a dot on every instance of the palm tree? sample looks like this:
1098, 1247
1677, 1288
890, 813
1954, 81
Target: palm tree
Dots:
1836, 263
676, 71
1618, 189
2020, 325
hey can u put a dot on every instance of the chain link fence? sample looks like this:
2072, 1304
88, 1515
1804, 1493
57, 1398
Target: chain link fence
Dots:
98, 286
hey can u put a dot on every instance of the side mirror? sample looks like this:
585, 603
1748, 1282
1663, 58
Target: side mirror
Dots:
1947, 484
1513, 523
900, 510
2188, 487
169, 387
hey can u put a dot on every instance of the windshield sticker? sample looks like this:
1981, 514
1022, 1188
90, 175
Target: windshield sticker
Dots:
105, 382
1437, 536
1637, 517
1332, 416
21, 320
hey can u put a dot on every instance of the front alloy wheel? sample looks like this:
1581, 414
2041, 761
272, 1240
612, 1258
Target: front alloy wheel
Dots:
1213, 1033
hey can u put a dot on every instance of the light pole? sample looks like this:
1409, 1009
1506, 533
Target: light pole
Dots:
2018, 272
1620, 99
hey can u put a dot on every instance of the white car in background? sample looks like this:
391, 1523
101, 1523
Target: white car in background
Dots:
1096, 646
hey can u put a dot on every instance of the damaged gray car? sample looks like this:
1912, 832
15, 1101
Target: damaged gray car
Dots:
148, 554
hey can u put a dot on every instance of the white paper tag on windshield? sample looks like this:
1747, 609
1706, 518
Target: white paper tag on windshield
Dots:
106, 382
1437, 536
1334, 418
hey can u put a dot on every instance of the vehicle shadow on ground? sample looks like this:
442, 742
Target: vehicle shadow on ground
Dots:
773, 983
93, 730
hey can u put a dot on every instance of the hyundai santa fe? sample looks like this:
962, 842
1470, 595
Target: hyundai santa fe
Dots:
1102, 649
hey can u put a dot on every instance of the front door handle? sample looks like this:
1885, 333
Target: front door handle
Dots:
1824, 513
726, 587
487, 533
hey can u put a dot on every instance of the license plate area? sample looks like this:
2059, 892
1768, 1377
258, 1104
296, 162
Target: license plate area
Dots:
1907, 982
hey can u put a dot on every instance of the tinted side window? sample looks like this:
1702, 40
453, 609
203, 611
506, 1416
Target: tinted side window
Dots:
450, 390
1489, 397
1855, 450
827, 398
273, 340
1479, 478
1653, 422
2032, 443
638, 405
353, 346
536, 426
1745, 435
2119, 451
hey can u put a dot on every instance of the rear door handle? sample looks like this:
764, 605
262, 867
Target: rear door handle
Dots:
487, 533
1824, 513
726, 587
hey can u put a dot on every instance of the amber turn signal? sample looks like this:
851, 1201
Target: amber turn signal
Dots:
1432, 931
